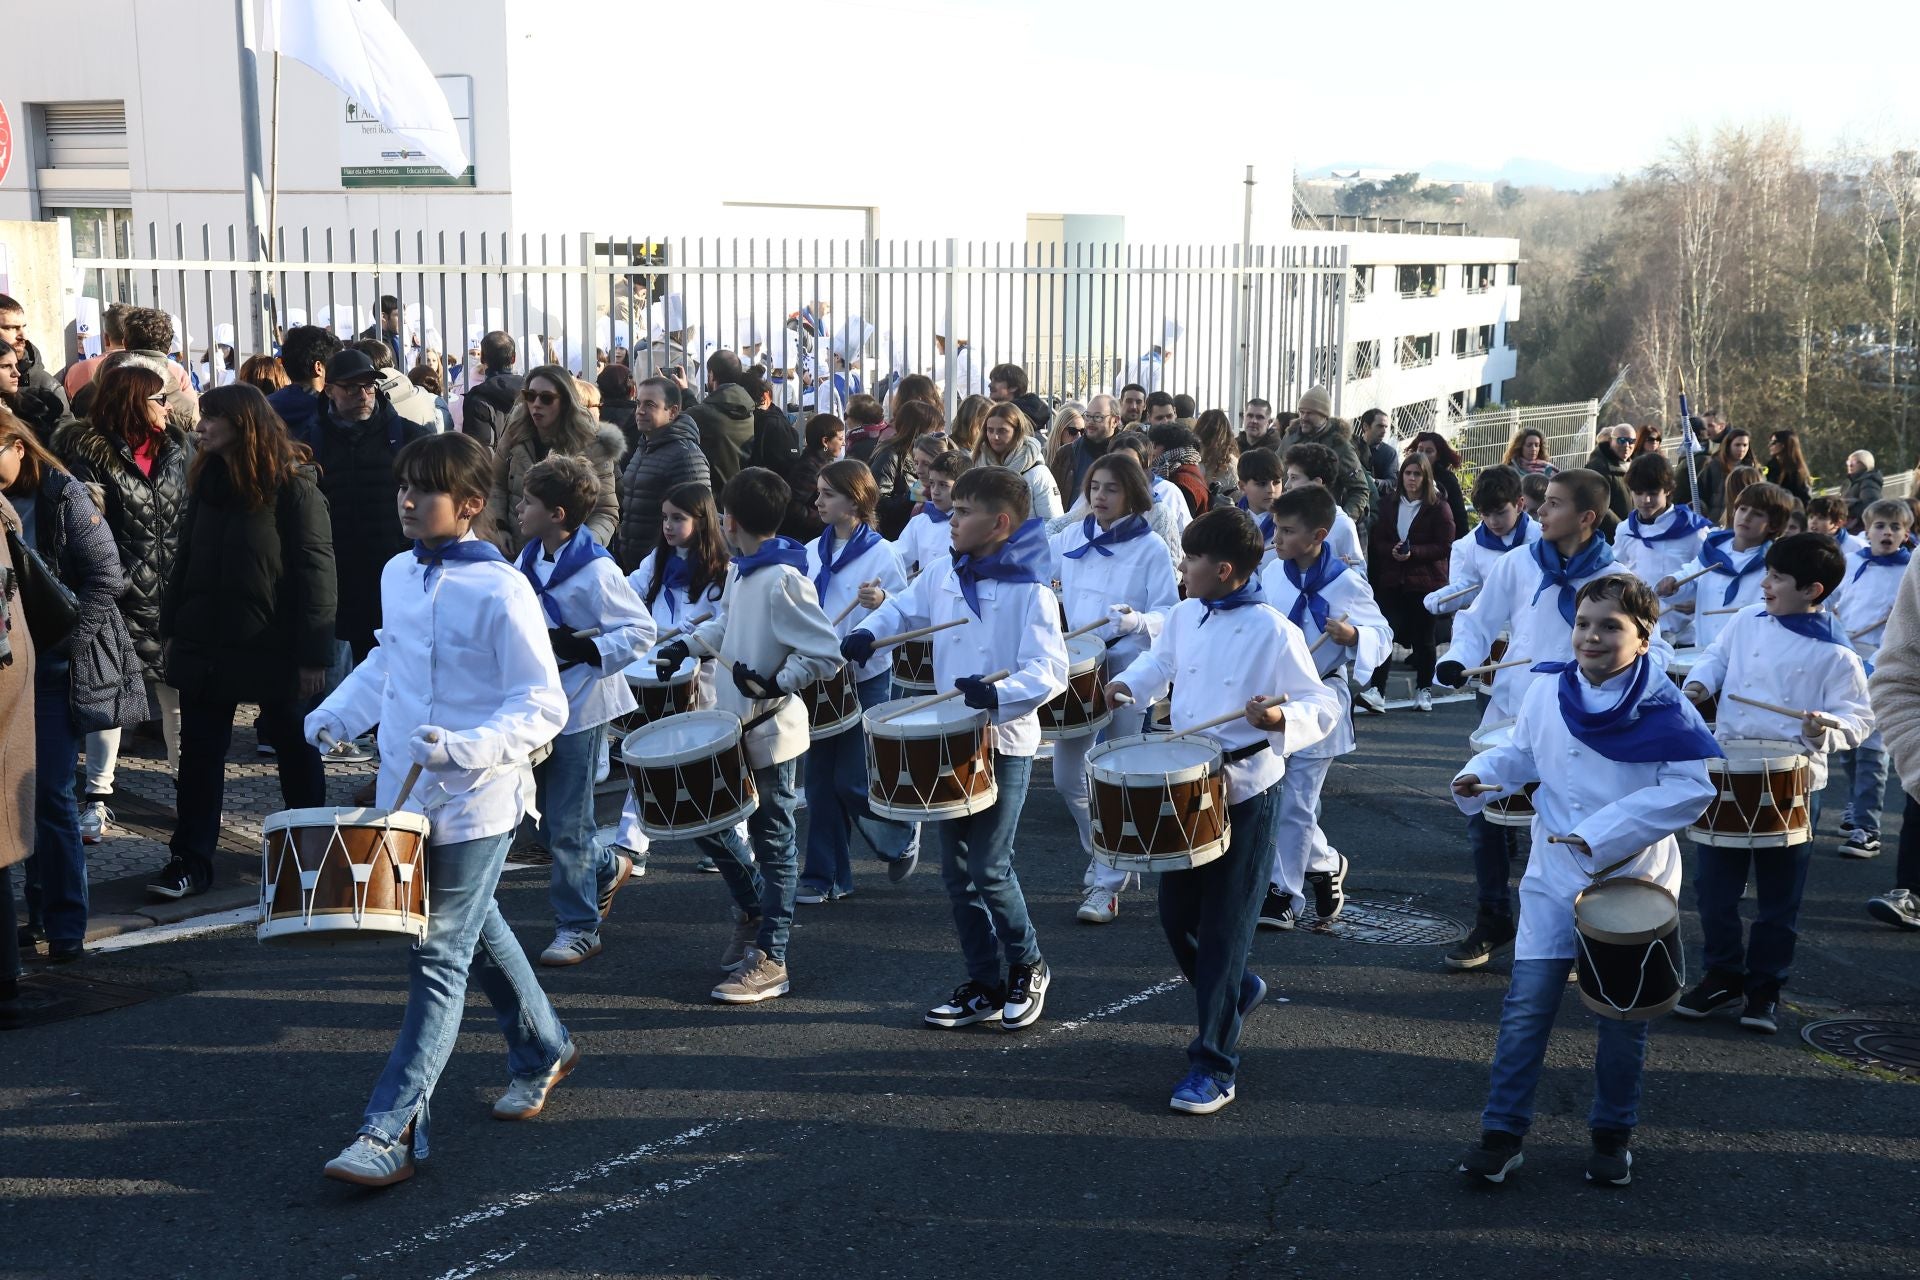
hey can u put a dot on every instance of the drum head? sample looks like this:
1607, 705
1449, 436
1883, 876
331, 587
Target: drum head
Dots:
928, 722
1153, 757
644, 672
398, 819
1084, 652
1681, 664
1623, 909
691, 735
1759, 755
1497, 734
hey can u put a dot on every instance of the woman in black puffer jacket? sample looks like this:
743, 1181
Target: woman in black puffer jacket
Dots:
135, 462
248, 616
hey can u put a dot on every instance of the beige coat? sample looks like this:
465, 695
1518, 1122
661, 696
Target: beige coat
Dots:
16, 724
1895, 685
598, 442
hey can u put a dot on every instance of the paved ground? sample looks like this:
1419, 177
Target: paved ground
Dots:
829, 1134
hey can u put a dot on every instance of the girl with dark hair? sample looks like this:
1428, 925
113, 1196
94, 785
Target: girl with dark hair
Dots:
893, 465
551, 417
1735, 451
1408, 548
1787, 465
1445, 464
247, 615
1527, 453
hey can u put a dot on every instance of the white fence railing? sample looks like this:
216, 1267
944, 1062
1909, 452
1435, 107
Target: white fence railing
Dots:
1482, 438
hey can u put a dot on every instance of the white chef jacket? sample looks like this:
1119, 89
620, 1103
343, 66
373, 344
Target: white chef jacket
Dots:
671, 617
1468, 565
1168, 494
1616, 808
1757, 657
1146, 371
1018, 630
1535, 630
1137, 574
1652, 561
1215, 663
462, 645
1864, 598
772, 623
924, 541
1350, 594
598, 596
1710, 592
878, 561
1344, 538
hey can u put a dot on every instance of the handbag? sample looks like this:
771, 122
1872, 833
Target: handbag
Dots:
52, 610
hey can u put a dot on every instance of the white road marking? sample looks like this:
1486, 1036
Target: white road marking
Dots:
183, 929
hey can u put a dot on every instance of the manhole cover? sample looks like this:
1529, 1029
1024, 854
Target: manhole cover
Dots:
1890, 1046
1384, 923
55, 997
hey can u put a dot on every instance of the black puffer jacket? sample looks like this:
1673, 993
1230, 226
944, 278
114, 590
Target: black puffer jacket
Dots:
143, 511
668, 457
356, 478
489, 404
251, 599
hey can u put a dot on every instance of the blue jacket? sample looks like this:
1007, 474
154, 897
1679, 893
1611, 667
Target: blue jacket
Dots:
298, 407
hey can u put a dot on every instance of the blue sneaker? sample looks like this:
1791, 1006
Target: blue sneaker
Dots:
1250, 999
1200, 1094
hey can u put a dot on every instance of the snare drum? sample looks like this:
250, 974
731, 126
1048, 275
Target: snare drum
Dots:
1760, 797
690, 774
1158, 803
1081, 709
930, 764
1513, 809
1629, 964
1685, 657
1494, 655
913, 666
833, 704
333, 875
658, 698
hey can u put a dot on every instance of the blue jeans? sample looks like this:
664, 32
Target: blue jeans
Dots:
761, 878
1867, 789
976, 865
1208, 915
581, 867
837, 802
1526, 1021
1779, 879
1493, 848
57, 884
465, 929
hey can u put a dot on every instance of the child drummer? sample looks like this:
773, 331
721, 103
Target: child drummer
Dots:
926, 542
1862, 607
1619, 757
1789, 654
1334, 608
1733, 562
1256, 662
771, 641
1659, 538
1262, 477
471, 727
1503, 527
998, 591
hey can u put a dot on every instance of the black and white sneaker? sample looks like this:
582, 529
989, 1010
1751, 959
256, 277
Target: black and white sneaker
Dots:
1490, 934
1716, 991
1611, 1162
969, 1003
1897, 907
1497, 1156
176, 880
1329, 890
1758, 1014
1026, 994
1276, 910
1860, 843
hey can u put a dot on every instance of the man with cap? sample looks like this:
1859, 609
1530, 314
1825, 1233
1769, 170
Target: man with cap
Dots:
1317, 425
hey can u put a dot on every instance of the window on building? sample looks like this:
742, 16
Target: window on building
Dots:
83, 176
1513, 273
1366, 359
1416, 351
1363, 282
1483, 396
1418, 280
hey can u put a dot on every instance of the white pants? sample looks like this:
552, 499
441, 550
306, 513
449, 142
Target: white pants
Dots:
103, 746
1301, 846
1070, 780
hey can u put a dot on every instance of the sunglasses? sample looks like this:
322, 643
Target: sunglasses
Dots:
541, 398
157, 398
1072, 433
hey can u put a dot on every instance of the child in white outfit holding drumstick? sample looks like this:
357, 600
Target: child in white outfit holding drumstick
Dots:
927, 541
463, 683
1244, 674
1115, 576
1619, 759
1724, 576
595, 624
1863, 606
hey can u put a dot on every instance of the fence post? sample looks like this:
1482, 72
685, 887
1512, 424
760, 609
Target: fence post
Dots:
589, 299
952, 351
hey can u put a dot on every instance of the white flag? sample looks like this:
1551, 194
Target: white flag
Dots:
358, 46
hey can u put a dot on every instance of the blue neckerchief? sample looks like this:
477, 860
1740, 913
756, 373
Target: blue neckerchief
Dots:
1491, 542
459, 549
1647, 726
1867, 559
1125, 529
1310, 584
862, 540
1714, 556
1249, 592
1265, 520
579, 551
1814, 626
1556, 572
935, 515
1684, 525
1020, 558
773, 551
676, 575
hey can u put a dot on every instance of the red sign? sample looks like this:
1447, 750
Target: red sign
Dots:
6, 142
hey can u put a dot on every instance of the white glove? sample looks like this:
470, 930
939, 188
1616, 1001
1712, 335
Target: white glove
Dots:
325, 722
428, 747
1123, 620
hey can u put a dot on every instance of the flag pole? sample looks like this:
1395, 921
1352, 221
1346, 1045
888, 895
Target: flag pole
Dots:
250, 155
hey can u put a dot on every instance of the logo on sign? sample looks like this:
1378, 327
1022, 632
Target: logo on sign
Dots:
6, 142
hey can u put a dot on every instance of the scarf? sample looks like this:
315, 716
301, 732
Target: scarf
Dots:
676, 575
1264, 520
1642, 727
1492, 541
935, 515
1310, 584
1714, 556
1558, 572
581, 550
1897, 559
460, 549
1125, 529
1173, 459
863, 540
1814, 626
1684, 525
1021, 558
1248, 592
773, 551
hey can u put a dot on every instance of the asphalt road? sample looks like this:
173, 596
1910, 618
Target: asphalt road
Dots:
830, 1134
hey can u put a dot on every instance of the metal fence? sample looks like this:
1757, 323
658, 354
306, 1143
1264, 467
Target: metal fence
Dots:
1481, 438
1217, 322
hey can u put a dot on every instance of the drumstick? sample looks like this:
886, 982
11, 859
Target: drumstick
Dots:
1496, 666
845, 613
1481, 788
1091, 627
587, 634
1565, 840
413, 776
1855, 635
1716, 612
916, 634
1697, 573
1464, 591
937, 699
1315, 646
1217, 721
1777, 709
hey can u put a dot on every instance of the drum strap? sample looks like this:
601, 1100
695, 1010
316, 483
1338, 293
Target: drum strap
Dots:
765, 716
1238, 754
1606, 871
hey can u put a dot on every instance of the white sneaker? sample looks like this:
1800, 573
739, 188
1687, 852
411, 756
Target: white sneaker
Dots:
1369, 699
94, 819
1100, 906
525, 1099
570, 946
1423, 699
369, 1162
